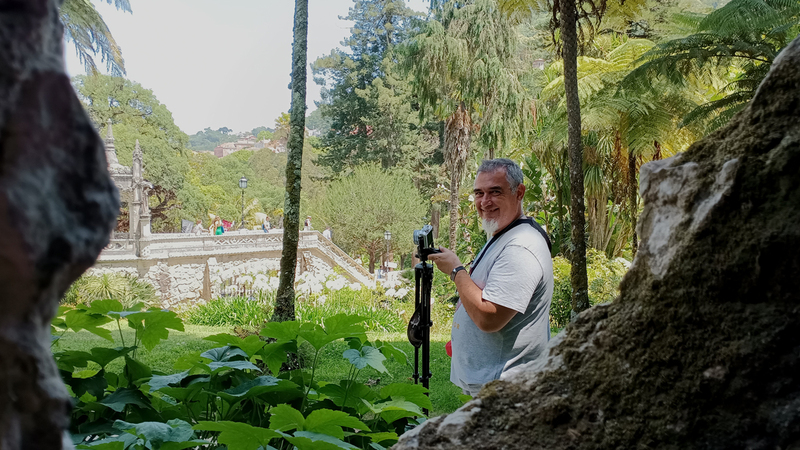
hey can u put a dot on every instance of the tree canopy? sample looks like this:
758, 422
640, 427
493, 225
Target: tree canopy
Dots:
365, 204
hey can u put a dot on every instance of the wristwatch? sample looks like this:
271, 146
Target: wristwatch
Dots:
455, 272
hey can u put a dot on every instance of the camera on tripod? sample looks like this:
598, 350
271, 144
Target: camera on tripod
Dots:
424, 240
419, 327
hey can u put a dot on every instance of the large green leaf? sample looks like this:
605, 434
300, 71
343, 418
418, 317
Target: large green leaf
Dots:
153, 326
282, 331
244, 389
353, 395
156, 434
240, 436
126, 396
104, 307
183, 394
226, 353
316, 336
330, 422
395, 409
390, 351
325, 421
136, 371
78, 319
286, 418
95, 385
250, 345
308, 440
346, 325
218, 366
161, 381
112, 443
277, 390
415, 393
383, 437
274, 355
103, 356
367, 356
191, 361
69, 360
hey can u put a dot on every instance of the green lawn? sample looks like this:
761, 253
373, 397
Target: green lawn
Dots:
331, 367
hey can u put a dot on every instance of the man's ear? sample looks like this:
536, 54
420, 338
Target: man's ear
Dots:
520, 192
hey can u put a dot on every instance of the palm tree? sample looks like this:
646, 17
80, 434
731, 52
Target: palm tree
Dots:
87, 30
621, 130
740, 40
566, 17
284, 300
464, 73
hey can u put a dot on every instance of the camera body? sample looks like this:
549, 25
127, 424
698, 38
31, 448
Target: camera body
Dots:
424, 240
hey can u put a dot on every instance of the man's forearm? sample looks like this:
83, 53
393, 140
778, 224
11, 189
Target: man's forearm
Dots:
488, 316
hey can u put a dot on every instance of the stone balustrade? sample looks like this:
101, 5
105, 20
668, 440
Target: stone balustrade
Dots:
182, 266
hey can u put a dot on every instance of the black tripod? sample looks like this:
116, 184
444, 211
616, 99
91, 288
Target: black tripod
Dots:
419, 327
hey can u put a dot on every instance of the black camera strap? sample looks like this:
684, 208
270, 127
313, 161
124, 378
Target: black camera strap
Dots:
520, 221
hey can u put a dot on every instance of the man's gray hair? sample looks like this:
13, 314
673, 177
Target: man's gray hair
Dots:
513, 172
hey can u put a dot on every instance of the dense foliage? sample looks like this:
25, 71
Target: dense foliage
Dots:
235, 396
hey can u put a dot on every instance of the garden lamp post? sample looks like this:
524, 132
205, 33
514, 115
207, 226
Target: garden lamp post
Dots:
243, 185
387, 235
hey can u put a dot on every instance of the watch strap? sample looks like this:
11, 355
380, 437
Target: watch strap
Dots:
455, 272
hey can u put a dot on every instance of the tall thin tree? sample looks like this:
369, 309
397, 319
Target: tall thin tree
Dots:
569, 51
284, 301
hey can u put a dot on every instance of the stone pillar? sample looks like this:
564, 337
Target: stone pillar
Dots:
58, 207
135, 208
111, 149
144, 217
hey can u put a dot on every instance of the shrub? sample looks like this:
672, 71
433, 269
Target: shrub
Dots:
222, 398
233, 311
604, 278
127, 289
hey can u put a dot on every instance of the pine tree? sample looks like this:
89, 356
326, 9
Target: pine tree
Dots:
465, 73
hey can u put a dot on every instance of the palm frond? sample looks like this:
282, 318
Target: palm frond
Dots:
87, 30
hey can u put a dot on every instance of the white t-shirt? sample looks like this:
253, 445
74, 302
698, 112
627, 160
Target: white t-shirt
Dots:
516, 272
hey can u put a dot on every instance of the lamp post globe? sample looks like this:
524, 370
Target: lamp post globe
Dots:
243, 186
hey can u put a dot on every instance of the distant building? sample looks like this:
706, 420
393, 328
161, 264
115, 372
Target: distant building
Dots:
539, 64
225, 149
242, 143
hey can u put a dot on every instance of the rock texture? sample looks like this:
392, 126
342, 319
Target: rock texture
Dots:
57, 209
702, 348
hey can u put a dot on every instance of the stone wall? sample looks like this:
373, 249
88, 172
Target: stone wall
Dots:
701, 350
183, 281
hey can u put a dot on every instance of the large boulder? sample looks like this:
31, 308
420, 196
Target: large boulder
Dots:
57, 209
702, 348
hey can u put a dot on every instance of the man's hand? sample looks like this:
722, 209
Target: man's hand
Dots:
445, 261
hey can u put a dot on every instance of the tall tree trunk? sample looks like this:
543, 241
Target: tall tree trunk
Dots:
436, 215
284, 301
560, 213
578, 276
632, 188
456, 150
372, 261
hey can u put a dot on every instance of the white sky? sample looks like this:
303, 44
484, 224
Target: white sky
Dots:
221, 63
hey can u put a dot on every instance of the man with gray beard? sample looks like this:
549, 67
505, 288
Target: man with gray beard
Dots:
502, 317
